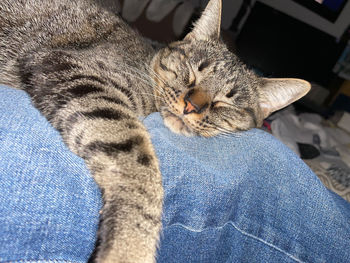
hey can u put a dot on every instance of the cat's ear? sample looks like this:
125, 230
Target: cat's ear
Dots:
208, 25
276, 94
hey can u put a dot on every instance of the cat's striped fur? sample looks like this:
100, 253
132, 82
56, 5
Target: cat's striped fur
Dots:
92, 76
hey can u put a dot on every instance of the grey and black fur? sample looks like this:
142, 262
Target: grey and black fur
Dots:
92, 76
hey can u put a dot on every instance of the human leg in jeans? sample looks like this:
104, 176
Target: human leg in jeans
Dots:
243, 198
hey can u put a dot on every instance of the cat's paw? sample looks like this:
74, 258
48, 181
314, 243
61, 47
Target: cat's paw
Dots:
175, 123
115, 257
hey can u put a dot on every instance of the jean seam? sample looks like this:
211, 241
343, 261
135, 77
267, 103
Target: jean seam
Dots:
243, 233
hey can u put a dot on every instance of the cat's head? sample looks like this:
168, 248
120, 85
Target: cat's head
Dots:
203, 89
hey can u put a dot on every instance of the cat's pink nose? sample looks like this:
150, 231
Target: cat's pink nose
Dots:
189, 107
196, 101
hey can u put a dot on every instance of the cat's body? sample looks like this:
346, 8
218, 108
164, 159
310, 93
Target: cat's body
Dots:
81, 75
92, 77
77, 28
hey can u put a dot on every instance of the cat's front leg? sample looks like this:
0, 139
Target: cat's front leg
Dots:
119, 153
127, 172
97, 121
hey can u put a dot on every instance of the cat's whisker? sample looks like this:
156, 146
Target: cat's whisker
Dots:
145, 81
159, 88
206, 132
149, 82
223, 130
160, 78
135, 69
152, 95
231, 134
155, 74
139, 72
153, 83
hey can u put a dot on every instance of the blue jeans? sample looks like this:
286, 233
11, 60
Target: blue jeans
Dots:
243, 198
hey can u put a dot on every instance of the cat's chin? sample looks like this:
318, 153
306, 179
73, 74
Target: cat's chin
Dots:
175, 123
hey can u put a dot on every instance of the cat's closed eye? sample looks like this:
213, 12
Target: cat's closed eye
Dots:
203, 65
231, 93
214, 104
220, 104
192, 84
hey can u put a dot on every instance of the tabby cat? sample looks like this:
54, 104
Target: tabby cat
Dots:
92, 77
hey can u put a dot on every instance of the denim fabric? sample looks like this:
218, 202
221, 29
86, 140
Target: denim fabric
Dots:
243, 198
48, 201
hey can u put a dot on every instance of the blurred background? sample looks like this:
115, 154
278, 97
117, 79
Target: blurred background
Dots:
307, 39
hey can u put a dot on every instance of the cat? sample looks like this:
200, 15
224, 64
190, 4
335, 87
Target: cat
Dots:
92, 76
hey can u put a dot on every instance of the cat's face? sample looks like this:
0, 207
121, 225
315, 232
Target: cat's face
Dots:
203, 89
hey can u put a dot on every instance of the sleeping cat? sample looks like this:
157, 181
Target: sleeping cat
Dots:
92, 77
